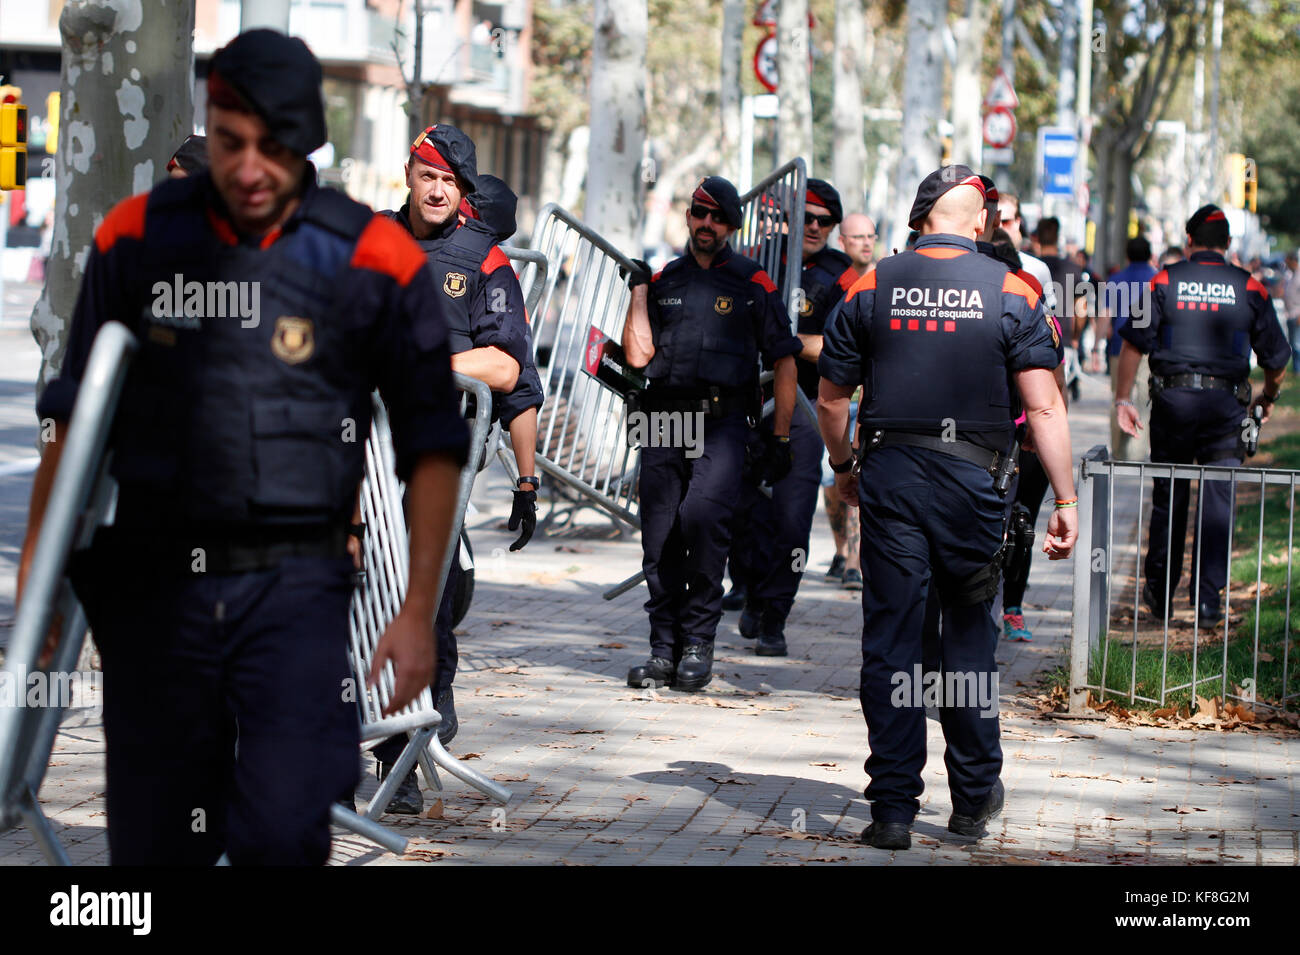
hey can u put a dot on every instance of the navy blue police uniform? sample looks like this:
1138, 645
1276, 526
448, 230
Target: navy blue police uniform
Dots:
223, 585
932, 336
770, 549
1206, 316
479, 296
710, 327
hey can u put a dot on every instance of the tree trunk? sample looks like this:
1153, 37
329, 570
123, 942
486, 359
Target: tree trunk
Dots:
733, 28
794, 119
922, 102
615, 181
849, 158
127, 102
575, 168
967, 90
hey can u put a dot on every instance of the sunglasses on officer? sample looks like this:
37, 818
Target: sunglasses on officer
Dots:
701, 211
824, 221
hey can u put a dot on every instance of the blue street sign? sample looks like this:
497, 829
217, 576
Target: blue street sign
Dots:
1058, 148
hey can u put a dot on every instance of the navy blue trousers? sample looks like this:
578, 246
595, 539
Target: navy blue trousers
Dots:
770, 544
190, 661
1192, 426
924, 515
686, 511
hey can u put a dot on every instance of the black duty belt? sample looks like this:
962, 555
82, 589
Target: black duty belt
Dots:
215, 551
967, 451
1206, 383
715, 402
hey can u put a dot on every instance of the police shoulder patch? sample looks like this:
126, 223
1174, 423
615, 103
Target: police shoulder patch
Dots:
293, 340
455, 284
723, 305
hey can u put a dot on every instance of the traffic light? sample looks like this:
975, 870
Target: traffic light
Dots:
1236, 180
13, 139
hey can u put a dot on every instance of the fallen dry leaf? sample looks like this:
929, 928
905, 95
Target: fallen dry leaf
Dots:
434, 811
510, 779
733, 780
1065, 774
1183, 810
613, 646
464, 756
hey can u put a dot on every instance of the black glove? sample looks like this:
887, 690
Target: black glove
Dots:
525, 511
778, 458
640, 275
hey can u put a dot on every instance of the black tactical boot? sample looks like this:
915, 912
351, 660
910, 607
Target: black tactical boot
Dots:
887, 835
407, 799
446, 707
771, 637
974, 825
696, 669
655, 672
751, 619
735, 600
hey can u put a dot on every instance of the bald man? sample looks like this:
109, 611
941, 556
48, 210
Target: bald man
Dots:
858, 240
945, 342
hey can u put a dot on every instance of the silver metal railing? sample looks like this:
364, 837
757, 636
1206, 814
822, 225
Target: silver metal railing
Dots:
385, 558
771, 216
1124, 649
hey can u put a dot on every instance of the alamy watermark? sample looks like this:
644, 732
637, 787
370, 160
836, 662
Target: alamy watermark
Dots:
40, 688
949, 688
667, 429
183, 304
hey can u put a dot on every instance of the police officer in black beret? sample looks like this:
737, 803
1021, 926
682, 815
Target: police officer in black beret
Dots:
941, 339
1204, 314
770, 549
222, 587
698, 328
479, 295
190, 157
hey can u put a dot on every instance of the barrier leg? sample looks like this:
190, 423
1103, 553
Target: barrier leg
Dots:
451, 764
41, 830
345, 818
619, 589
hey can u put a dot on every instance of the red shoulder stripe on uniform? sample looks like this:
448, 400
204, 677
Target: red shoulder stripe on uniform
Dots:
1253, 285
655, 277
865, 284
124, 221
385, 247
1031, 281
1160, 278
760, 279
847, 278
1017, 286
495, 259
940, 253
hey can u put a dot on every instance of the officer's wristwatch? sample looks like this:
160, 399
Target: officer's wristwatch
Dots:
536, 482
843, 468
1265, 397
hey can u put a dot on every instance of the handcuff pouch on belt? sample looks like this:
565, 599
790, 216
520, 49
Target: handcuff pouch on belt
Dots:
1239, 389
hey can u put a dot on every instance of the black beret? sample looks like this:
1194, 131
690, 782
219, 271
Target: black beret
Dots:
279, 79
191, 155
937, 184
719, 192
823, 193
1204, 215
447, 148
496, 205
990, 190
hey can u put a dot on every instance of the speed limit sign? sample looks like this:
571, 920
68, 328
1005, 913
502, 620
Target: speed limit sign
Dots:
765, 62
999, 127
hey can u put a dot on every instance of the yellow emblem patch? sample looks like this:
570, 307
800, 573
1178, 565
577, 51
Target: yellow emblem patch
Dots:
723, 305
454, 284
806, 308
294, 339
1056, 336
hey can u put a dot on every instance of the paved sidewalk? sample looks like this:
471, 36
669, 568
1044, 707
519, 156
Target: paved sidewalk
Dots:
765, 766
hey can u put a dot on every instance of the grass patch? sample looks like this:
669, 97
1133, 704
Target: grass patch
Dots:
1254, 559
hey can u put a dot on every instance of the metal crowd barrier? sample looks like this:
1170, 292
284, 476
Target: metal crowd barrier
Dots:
385, 559
1121, 650
81, 499
771, 213
581, 439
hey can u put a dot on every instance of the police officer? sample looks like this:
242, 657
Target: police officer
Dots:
190, 157
223, 585
770, 546
936, 336
479, 295
698, 328
1202, 314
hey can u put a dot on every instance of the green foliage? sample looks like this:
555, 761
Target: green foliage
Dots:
562, 55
